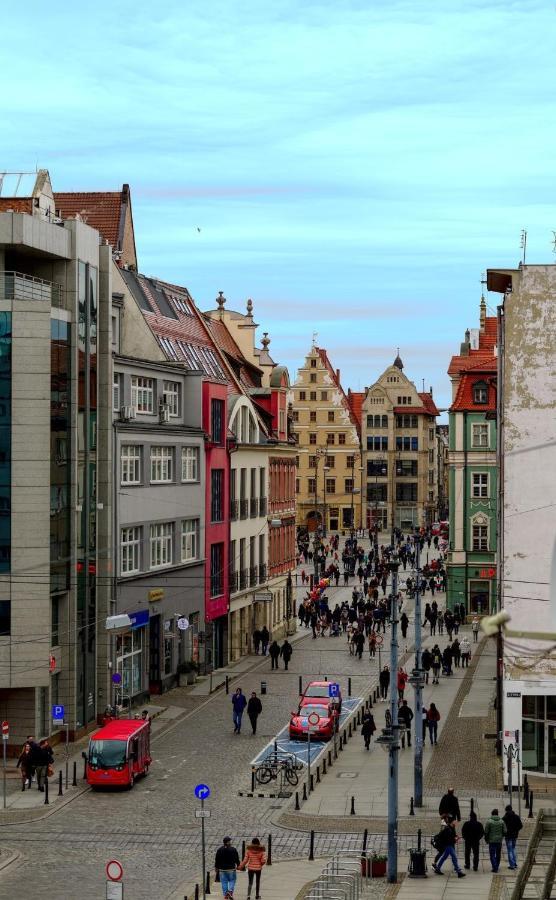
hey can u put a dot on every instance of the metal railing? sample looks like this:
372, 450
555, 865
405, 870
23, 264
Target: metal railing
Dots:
254, 507
234, 509
262, 506
262, 573
18, 286
243, 509
243, 579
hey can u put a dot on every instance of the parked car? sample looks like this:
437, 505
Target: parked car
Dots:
320, 691
299, 722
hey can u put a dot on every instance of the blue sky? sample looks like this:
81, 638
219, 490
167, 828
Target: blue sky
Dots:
353, 166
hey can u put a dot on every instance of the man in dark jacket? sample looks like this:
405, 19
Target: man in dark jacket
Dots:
239, 702
265, 637
274, 653
472, 834
226, 862
359, 643
405, 718
286, 651
384, 682
41, 758
513, 826
447, 839
426, 663
254, 709
449, 805
256, 641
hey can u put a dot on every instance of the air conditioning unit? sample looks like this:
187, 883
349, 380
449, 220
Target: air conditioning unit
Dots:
164, 412
127, 413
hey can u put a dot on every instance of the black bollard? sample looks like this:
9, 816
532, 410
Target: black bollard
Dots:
318, 775
46, 800
207, 885
60, 791
304, 791
300, 685
311, 783
324, 766
419, 837
530, 816
370, 704
411, 809
243, 849
74, 782
84, 769
526, 790
349, 687
297, 806
345, 737
354, 725
352, 810
340, 746
330, 757
349, 730
472, 804
252, 779
269, 852
276, 746
196, 892
227, 684
365, 838
312, 846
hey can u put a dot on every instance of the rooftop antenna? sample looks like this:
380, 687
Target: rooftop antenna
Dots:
315, 336
523, 244
423, 385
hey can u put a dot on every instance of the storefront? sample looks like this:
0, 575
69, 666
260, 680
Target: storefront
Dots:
130, 659
530, 707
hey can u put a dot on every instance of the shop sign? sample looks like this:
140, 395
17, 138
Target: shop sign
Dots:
513, 694
156, 594
139, 619
488, 573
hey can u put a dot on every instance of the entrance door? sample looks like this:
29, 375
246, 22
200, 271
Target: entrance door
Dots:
551, 750
154, 654
478, 597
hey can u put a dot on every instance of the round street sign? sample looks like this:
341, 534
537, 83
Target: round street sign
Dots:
114, 870
313, 718
116, 678
183, 623
378, 638
202, 791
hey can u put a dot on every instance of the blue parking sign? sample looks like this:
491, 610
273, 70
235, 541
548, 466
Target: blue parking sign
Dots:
58, 713
333, 689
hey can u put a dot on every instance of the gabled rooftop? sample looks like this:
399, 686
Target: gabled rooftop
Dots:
107, 211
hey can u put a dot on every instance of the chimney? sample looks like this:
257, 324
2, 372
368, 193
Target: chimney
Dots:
338, 376
430, 390
483, 313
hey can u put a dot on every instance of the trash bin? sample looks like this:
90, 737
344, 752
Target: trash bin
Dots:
417, 863
263, 687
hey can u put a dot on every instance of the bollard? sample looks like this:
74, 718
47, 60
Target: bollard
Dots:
411, 809
304, 791
74, 782
472, 803
263, 687
312, 846
345, 737
326, 677
276, 746
297, 806
330, 757
349, 730
311, 783
196, 892
46, 801
207, 885
526, 790
60, 791
318, 775
243, 849
217, 876
269, 853
370, 704
227, 684
365, 837
530, 816
352, 810
84, 769
340, 747
324, 767
300, 686
349, 687
336, 749
419, 838
252, 779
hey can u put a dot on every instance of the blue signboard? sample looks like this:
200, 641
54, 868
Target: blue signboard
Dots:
333, 689
139, 619
202, 792
58, 713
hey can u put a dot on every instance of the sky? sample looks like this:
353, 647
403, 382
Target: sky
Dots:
353, 167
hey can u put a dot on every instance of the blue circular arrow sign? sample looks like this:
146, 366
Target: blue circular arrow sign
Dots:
202, 791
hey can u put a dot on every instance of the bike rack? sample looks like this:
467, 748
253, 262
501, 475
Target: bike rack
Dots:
341, 878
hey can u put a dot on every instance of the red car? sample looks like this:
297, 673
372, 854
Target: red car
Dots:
319, 691
299, 722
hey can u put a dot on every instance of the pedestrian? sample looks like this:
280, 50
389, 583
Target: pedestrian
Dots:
436, 663
426, 662
226, 863
42, 759
405, 715
424, 714
384, 682
456, 653
401, 682
24, 763
254, 709
449, 805
372, 645
265, 638
446, 838
359, 643
475, 629
404, 622
368, 728
274, 653
257, 640
513, 826
433, 718
495, 832
465, 650
286, 651
253, 861
447, 660
472, 833
239, 702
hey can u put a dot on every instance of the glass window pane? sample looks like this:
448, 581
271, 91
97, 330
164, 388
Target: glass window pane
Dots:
533, 746
551, 708
533, 707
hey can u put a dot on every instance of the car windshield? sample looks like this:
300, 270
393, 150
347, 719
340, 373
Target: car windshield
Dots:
320, 710
107, 753
317, 690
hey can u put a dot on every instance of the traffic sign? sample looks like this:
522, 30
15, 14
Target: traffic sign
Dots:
5, 730
116, 678
114, 870
114, 890
202, 813
183, 623
313, 718
202, 791
333, 689
58, 713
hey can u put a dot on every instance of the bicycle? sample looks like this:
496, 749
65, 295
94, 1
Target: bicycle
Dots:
268, 772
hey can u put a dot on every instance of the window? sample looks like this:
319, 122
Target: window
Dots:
348, 485
313, 415
479, 435
130, 548
313, 378
415, 444
480, 392
330, 438
406, 491
116, 392
480, 484
406, 467
341, 438
5, 617
431, 456
161, 544
189, 539
431, 476
377, 492
431, 435
312, 438
217, 421
330, 485
379, 444
190, 464
407, 443
480, 537
302, 395
312, 462
54, 621
324, 395
313, 364
142, 394
217, 495
329, 461
171, 397
377, 467
162, 464
313, 396
130, 464
384, 423
406, 421
330, 415
216, 570
311, 485
295, 415
297, 485
350, 462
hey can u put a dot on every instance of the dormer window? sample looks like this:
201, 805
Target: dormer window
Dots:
480, 392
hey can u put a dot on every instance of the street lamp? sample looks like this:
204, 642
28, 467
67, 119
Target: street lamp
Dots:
416, 680
324, 517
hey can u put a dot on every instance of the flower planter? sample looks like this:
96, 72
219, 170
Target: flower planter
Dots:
378, 868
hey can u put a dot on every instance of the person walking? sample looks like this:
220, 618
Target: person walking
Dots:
404, 622
265, 638
286, 651
42, 757
368, 728
513, 826
495, 832
436, 663
449, 805
226, 863
253, 861
424, 715
475, 629
472, 834
426, 662
433, 718
274, 653
384, 682
456, 653
239, 702
401, 682
447, 839
405, 715
359, 643
254, 709
24, 763
257, 641
465, 650
372, 645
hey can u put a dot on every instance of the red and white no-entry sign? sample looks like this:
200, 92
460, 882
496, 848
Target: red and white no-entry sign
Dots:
114, 870
5, 728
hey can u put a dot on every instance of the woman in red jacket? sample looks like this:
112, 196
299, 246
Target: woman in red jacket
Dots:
402, 681
254, 860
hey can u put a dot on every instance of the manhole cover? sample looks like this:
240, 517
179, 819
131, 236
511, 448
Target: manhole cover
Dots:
347, 775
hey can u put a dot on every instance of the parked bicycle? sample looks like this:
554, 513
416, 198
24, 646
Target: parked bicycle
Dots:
270, 769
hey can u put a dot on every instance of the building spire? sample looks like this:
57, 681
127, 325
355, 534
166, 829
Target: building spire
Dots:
398, 361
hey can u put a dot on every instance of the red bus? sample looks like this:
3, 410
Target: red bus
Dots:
118, 753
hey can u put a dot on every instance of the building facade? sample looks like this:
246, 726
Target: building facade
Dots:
398, 435
329, 473
473, 471
527, 499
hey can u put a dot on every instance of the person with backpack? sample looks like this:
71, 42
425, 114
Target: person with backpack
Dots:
445, 840
472, 834
426, 662
513, 826
405, 718
368, 728
433, 718
449, 805
436, 663
495, 832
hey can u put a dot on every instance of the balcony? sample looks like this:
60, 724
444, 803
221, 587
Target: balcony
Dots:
17, 286
253, 576
234, 582
243, 579
262, 573
243, 509
262, 506
254, 507
234, 510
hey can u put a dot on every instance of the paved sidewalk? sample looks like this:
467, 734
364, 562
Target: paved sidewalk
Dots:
450, 887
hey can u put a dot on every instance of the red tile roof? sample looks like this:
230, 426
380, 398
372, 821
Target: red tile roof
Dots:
16, 204
464, 397
99, 209
355, 400
430, 406
487, 342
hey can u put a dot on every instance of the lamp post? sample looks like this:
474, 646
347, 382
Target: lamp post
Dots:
325, 469
417, 682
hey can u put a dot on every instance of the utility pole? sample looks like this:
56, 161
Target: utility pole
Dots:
417, 680
392, 872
